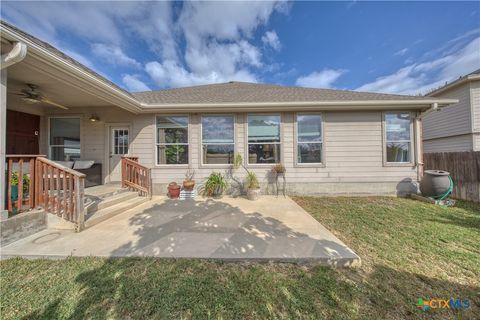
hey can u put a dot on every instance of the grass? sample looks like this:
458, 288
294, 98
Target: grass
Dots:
409, 250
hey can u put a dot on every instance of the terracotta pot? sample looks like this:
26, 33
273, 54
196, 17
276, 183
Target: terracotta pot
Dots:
188, 185
253, 194
434, 183
173, 190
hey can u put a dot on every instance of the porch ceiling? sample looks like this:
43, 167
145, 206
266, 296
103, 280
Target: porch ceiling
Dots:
54, 84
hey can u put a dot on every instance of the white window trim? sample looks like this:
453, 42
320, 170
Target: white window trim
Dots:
411, 141
262, 165
75, 116
217, 165
156, 164
296, 142
113, 141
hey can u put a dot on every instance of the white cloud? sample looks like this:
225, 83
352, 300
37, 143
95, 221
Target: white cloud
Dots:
203, 41
322, 79
270, 38
401, 52
134, 84
419, 78
171, 74
114, 55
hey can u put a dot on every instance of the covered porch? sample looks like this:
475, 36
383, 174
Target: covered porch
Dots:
62, 129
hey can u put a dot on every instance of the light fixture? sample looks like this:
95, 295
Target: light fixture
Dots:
94, 118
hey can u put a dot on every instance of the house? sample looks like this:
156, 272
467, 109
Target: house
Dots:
456, 128
330, 141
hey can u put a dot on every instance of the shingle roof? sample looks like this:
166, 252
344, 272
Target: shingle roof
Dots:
238, 92
460, 80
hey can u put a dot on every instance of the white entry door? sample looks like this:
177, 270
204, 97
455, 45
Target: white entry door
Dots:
119, 142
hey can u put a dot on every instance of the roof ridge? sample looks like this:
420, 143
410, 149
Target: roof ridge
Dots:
274, 86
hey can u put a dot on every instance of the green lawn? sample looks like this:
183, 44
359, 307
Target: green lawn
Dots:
409, 250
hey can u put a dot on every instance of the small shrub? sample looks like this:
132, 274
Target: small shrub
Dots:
215, 185
252, 181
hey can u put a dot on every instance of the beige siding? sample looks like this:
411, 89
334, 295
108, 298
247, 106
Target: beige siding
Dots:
449, 144
94, 136
353, 155
475, 99
352, 152
452, 120
476, 142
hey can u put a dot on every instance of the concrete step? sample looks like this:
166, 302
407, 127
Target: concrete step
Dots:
108, 212
103, 203
104, 191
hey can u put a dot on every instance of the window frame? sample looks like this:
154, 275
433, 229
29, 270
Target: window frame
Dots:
189, 129
72, 116
321, 164
247, 143
386, 163
127, 129
217, 165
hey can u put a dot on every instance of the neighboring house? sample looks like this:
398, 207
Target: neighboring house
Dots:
331, 141
456, 128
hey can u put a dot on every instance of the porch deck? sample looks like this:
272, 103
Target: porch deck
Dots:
228, 229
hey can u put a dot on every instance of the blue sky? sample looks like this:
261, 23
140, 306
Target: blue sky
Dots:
396, 47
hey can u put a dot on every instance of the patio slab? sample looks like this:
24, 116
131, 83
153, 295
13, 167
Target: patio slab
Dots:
270, 229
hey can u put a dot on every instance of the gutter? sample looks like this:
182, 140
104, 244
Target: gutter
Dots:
299, 105
17, 54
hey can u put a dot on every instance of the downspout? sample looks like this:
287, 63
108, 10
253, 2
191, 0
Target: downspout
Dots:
419, 141
17, 54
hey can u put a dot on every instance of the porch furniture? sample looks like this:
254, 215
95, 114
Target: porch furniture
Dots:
92, 170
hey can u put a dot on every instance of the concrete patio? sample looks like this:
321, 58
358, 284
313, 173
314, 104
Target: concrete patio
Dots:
270, 229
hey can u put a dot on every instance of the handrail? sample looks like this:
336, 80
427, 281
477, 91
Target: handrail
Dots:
60, 190
62, 167
136, 177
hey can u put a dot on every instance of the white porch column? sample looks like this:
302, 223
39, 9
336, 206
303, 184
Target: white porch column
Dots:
3, 141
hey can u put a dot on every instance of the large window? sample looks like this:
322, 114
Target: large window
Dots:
398, 137
64, 139
172, 140
263, 139
309, 138
218, 143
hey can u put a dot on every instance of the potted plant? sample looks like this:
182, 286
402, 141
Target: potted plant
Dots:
173, 190
253, 187
14, 184
279, 169
215, 185
189, 183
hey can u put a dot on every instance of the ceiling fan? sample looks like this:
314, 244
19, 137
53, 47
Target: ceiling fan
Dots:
32, 95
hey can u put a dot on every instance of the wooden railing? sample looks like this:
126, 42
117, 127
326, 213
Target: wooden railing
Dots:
60, 190
57, 189
20, 168
136, 177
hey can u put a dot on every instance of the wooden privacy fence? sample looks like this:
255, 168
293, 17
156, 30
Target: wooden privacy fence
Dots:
136, 177
42, 183
464, 168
